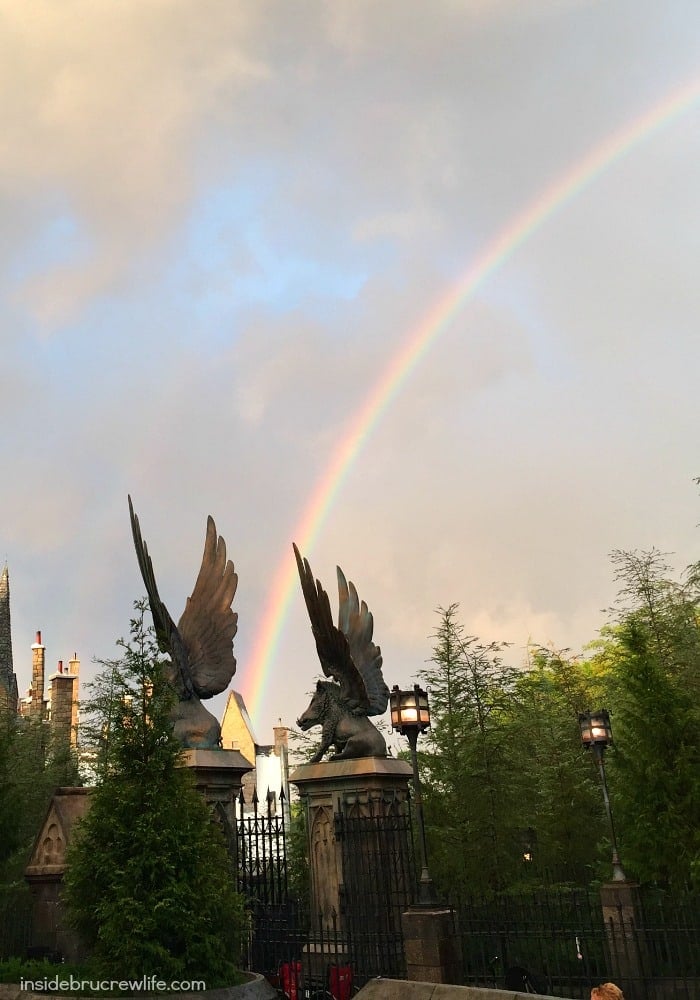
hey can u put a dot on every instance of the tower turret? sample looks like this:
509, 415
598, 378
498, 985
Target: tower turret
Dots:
8, 679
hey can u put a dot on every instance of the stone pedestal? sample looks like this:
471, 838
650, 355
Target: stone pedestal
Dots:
361, 873
217, 777
619, 902
345, 788
431, 945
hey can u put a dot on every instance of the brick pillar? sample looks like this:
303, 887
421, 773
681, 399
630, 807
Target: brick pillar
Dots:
281, 739
36, 709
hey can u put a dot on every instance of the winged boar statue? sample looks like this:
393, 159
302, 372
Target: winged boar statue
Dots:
200, 646
357, 690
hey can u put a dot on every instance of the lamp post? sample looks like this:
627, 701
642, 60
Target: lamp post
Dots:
596, 735
410, 715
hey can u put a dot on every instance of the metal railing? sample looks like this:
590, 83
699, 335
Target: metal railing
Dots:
560, 937
15, 924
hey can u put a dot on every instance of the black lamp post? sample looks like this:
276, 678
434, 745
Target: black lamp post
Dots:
596, 735
410, 715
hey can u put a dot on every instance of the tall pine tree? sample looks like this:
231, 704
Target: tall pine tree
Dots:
149, 884
468, 761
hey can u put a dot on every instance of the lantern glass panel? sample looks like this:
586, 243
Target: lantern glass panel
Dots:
409, 709
585, 725
595, 728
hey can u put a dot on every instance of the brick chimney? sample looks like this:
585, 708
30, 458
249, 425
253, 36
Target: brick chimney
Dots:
36, 710
62, 698
281, 738
74, 667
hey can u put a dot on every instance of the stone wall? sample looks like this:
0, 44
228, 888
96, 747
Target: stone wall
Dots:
400, 989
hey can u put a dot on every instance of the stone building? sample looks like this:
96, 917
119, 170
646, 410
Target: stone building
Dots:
271, 771
58, 704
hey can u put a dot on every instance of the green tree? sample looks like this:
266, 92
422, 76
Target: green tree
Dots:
149, 884
557, 785
32, 765
468, 760
653, 655
9, 828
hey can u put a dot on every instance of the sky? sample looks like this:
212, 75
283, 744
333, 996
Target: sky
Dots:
413, 285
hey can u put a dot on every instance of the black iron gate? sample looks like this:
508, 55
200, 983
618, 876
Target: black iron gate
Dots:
378, 883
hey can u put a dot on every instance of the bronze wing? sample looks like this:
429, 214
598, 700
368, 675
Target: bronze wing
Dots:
332, 643
169, 639
208, 623
357, 624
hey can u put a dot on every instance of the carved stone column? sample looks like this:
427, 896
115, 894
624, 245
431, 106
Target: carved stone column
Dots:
353, 884
217, 777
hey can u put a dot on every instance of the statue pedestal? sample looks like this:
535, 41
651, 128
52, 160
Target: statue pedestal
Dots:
217, 777
360, 855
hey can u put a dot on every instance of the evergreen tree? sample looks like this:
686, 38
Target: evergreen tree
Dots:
149, 884
469, 763
32, 766
558, 787
653, 652
9, 827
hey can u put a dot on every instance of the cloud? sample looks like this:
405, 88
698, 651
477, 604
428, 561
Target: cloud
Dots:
107, 105
221, 230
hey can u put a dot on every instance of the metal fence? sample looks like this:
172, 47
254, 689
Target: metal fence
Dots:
559, 938
666, 944
15, 923
559, 942
378, 886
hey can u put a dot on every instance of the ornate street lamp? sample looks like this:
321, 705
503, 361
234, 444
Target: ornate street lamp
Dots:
410, 715
596, 735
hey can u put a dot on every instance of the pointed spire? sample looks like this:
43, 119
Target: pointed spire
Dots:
8, 680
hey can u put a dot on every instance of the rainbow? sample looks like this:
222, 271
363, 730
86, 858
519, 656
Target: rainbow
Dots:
415, 347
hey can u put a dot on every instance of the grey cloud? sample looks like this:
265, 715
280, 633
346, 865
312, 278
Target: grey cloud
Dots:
551, 420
